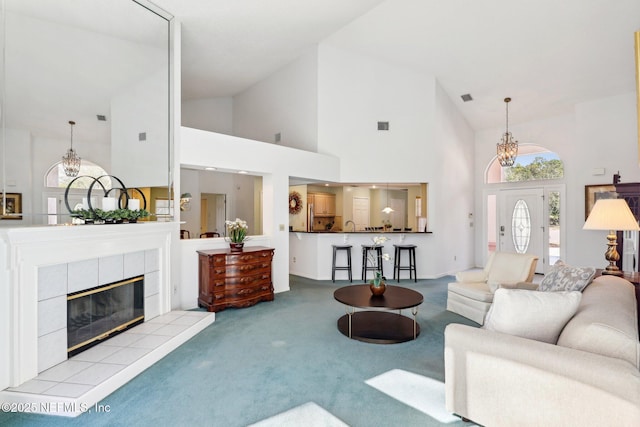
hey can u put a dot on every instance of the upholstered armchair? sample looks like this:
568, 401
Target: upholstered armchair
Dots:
471, 294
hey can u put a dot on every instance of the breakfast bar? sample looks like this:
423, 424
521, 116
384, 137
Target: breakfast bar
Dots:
310, 253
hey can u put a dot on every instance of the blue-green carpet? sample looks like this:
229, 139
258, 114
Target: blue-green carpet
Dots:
253, 363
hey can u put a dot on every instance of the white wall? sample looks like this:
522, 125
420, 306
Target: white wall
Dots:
285, 103
141, 163
199, 149
355, 93
212, 114
601, 134
451, 188
428, 141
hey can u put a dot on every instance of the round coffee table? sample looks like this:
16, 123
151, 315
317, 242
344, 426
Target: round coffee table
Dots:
379, 326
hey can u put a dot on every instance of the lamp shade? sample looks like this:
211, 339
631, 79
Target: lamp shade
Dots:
611, 214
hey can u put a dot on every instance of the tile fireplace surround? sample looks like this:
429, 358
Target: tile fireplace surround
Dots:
40, 265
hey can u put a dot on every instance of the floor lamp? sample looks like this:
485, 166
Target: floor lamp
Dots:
612, 215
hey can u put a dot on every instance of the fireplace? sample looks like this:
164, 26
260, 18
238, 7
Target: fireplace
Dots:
96, 314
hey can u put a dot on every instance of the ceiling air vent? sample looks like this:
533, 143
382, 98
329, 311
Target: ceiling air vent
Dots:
466, 97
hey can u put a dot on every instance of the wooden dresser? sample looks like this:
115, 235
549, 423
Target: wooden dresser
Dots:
234, 279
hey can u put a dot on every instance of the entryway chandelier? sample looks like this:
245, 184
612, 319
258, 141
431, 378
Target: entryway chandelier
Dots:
507, 148
71, 161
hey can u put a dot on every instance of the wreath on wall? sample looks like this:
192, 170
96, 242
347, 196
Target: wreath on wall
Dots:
295, 203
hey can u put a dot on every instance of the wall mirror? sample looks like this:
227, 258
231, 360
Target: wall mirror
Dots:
217, 196
103, 64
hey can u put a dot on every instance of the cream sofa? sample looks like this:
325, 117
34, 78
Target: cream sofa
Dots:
471, 294
589, 378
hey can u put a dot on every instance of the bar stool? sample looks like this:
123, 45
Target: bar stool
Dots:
337, 248
365, 257
397, 266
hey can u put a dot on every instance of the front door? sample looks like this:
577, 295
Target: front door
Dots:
521, 223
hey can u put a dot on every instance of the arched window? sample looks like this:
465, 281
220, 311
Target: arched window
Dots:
532, 164
56, 181
56, 178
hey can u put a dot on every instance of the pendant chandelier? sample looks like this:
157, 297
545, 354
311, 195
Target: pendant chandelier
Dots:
71, 161
387, 208
507, 148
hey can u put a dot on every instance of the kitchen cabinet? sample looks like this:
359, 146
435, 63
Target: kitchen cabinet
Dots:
324, 204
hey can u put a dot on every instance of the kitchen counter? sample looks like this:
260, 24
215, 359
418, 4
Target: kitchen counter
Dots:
361, 232
310, 253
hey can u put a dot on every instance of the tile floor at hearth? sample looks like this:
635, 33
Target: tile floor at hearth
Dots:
81, 373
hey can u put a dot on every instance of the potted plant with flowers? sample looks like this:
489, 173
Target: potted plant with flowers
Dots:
236, 234
377, 284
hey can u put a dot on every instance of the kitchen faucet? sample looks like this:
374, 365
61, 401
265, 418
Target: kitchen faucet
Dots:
352, 223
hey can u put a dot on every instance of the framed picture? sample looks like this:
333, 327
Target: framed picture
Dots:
13, 208
597, 192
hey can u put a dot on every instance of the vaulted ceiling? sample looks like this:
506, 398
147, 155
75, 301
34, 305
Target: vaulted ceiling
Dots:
547, 55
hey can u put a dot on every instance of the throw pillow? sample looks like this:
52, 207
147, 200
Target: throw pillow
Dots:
563, 277
529, 314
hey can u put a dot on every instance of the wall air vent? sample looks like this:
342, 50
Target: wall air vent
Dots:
383, 125
101, 117
466, 97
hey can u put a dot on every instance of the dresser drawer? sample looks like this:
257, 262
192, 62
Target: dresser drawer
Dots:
233, 270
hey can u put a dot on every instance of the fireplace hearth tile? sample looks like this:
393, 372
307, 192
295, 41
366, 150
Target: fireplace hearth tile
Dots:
64, 370
142, 350
148, 328
167, 318
186, 320
68, 390
125, 339
171, 330
151, 341
97, 353
197, 313
34, 386
126, 356
95, 374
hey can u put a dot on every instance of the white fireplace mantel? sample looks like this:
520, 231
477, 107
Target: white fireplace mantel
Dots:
24, 250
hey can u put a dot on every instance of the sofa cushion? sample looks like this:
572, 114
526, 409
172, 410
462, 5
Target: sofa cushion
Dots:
531, 314
563, 277
606, 321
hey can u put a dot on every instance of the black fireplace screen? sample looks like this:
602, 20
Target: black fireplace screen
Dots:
99, 313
